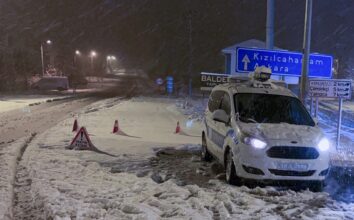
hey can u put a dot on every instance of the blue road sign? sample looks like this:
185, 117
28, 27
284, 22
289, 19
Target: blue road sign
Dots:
169, 84
282, 62
159, 81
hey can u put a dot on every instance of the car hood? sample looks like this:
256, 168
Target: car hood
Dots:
282, 131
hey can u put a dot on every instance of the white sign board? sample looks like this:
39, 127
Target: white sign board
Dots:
209, 80
331, 88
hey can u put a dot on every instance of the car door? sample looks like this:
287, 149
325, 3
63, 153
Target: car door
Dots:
221, 127
211, 132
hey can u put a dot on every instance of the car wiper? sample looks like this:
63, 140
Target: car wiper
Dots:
245, 119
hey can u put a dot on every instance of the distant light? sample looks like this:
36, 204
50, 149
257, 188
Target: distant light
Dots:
93, 54
111, 58
49, 42
77, 52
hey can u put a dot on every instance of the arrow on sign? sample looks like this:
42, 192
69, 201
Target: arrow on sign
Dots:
245, 61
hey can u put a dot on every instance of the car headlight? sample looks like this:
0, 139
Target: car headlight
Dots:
324, 144
254, 142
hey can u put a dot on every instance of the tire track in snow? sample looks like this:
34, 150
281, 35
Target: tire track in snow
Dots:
22, 203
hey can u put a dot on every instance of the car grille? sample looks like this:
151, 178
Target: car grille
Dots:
290, 152
292, 173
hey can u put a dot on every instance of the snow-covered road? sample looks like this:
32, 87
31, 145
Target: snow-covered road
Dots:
8, 103
68, 184
21, 122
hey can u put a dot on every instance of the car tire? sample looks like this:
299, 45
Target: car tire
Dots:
230, 170
316, 186
205, 155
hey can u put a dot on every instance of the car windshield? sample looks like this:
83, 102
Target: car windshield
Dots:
265, 108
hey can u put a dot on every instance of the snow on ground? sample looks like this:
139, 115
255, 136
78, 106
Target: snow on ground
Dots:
192, 108
68, 184
8, 161
328, 117
148, 123
8, 103
348, 105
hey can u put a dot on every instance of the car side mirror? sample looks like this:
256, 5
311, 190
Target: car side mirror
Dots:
220, 116
237, 116
316, 121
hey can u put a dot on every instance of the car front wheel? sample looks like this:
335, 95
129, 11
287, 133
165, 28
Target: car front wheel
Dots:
231, 176
205, 155
316, 186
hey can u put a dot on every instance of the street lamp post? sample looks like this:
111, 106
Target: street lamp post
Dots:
109, 62
77, 53
48, 42
92, 55
42, 59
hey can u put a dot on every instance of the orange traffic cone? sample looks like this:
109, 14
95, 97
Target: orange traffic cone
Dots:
115, 127
75, 126
178, 128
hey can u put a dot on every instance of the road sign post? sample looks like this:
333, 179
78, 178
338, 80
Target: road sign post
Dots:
316, 108
306, 50
339, 122
335, 88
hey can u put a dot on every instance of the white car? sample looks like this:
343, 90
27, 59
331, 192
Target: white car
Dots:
260, 131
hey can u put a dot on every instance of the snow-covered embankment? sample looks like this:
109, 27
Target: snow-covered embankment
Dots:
70, 184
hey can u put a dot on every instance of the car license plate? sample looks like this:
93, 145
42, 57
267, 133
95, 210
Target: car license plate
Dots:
293, 166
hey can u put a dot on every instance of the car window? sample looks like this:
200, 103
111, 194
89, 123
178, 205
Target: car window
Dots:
215, 100
265, 108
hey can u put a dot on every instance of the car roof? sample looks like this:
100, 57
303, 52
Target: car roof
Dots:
271, 87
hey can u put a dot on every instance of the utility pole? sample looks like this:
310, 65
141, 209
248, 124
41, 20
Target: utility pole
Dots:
190, 54
91, 58
306, 50
270, 24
